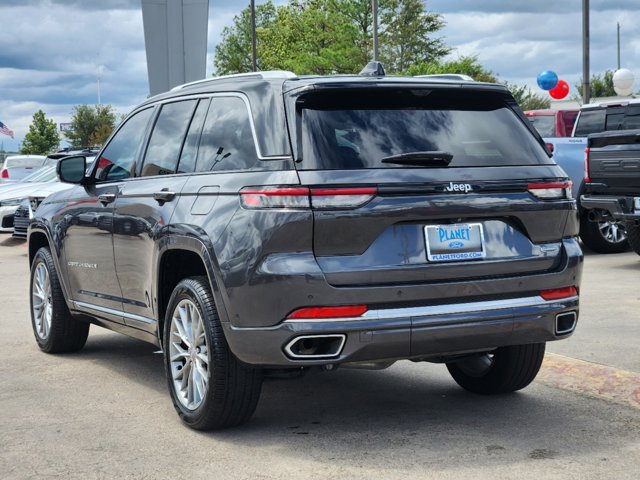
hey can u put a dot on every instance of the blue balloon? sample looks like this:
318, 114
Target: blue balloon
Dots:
547, 80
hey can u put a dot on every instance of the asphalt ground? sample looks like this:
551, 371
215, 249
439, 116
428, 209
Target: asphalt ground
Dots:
105, 412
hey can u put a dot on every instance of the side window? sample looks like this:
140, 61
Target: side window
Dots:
167, 137
117, 161
227, 142
187, 163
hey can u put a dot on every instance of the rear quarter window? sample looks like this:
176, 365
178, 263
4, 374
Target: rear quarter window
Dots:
353, 130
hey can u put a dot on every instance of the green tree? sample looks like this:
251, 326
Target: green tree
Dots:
330, 36
599, 86
91, 126
527, 99
406, 36
466, 65
42, 137
311, 37
233, 53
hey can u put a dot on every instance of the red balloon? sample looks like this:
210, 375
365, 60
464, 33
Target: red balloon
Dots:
560, 91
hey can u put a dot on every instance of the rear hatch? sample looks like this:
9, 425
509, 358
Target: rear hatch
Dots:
614, 162
427, 183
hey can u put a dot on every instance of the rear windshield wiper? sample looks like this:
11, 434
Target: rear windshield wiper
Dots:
426, 159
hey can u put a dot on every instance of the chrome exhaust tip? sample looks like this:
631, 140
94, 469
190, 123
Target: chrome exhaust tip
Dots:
312, 347
566, 322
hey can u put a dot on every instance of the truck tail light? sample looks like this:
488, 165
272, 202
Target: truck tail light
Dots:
586, 165
558, 293
303, 197
5, 173
550, 190
310, 313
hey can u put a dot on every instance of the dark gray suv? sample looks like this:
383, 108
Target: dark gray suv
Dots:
269, 223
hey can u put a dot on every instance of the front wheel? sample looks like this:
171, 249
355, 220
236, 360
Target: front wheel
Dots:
633, 235
56, 331
209, 386
504, 370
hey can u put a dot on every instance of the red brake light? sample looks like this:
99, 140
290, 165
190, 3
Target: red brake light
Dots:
586, 165
557, 293
5, 173
328, 312
549, 146
275, 197
303, 197
551, 190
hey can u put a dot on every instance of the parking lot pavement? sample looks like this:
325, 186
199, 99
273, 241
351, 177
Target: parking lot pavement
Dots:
105, 412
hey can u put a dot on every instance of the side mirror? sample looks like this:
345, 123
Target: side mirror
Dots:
71, 169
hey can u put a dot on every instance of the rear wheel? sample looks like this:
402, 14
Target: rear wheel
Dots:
56, 331
633, 235
504, 370
603, 237
209, 386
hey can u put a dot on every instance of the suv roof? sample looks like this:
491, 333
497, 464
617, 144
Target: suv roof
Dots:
611, 103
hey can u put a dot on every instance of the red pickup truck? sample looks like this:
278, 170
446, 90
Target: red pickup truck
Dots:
553, 123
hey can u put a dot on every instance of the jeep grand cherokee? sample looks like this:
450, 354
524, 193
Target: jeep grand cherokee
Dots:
266, 222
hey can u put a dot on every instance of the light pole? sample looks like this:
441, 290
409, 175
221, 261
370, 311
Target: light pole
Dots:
586, 94
253, 36
618, 45
374, 7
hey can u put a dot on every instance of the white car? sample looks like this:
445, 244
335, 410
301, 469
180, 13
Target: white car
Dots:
16, 167
43, 182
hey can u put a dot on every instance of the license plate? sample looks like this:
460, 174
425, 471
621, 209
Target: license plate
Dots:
462, 241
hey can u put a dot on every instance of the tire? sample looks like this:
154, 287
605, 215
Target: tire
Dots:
633, 236
56, 331
217, 390
603, 237
505, 370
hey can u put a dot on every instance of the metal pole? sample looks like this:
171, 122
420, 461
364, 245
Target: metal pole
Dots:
253, 36
374, 7
618, 45
586, 94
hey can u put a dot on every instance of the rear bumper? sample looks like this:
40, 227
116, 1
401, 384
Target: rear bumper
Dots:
620, 208
426, 331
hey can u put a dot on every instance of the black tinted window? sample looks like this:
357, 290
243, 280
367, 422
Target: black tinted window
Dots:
227, 141
187, 162
167, 137
117, 161
358, 130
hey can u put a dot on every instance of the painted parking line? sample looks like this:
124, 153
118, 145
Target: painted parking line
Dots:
607, 383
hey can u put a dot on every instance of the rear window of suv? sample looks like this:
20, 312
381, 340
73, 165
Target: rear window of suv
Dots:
603, 119
353, 130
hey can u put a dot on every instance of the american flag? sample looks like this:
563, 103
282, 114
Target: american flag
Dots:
6, 130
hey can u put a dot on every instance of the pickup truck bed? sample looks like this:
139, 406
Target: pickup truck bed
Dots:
612, 187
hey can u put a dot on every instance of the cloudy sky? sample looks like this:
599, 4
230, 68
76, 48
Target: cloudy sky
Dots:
53, 50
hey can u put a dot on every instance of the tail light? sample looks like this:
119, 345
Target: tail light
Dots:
549, 146
303, 197
5, 173
558, 293
550, 190
310, 313
586, 165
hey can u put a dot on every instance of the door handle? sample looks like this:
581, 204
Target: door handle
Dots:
106, 198
164, 196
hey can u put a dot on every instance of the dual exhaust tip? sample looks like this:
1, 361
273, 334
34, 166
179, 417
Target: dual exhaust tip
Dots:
316, 346
566, 322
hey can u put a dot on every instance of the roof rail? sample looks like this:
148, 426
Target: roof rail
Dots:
248, 76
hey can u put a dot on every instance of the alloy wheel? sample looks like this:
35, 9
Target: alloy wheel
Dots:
188, 355
42, 301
